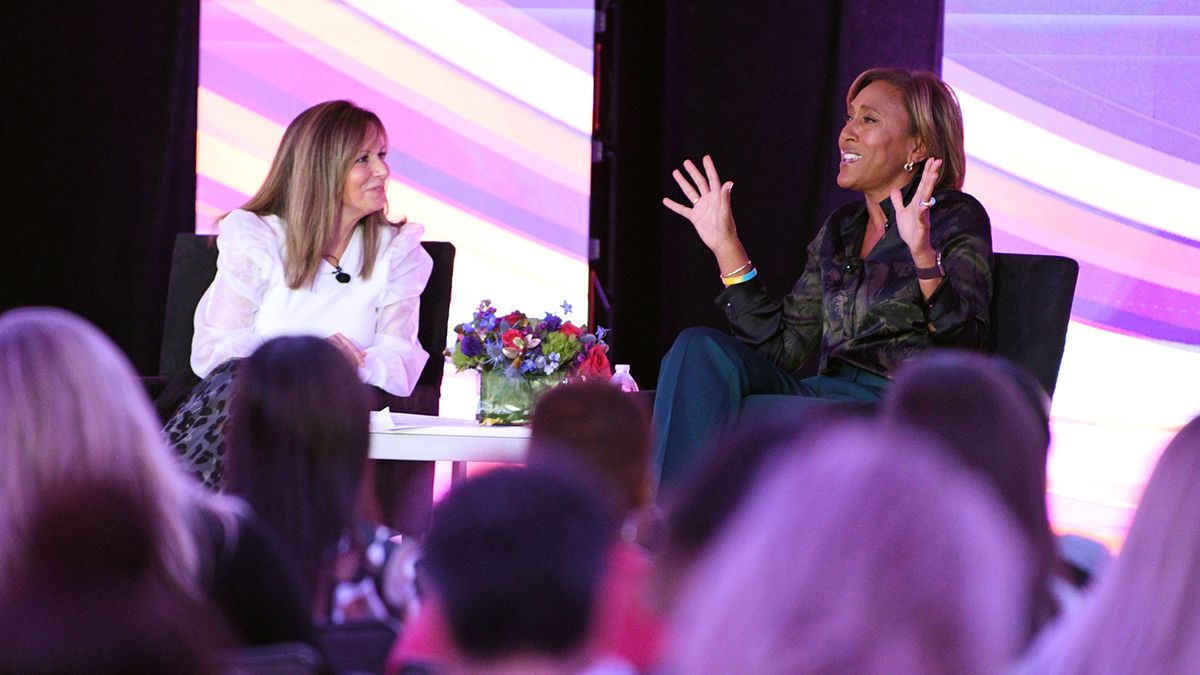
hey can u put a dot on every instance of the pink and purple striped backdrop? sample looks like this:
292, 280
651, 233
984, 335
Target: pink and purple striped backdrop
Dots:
1082, 141
488, 107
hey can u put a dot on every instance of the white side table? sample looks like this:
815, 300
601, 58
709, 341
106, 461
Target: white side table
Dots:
429, 438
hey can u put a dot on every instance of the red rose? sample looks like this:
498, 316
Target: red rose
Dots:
509, 338
595, 364
569, 328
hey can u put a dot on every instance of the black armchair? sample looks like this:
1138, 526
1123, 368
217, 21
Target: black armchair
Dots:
1031, 307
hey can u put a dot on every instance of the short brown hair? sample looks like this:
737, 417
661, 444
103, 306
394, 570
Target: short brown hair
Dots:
599, 426
934, 117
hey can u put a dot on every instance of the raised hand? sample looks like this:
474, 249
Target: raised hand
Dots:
912, 221
711, 211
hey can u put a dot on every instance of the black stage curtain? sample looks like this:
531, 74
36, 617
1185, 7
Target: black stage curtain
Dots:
760, 86
99, 142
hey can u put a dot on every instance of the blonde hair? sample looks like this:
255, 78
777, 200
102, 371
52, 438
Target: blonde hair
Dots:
1142, 616
934, 117
72, 410
304, 187
866, 552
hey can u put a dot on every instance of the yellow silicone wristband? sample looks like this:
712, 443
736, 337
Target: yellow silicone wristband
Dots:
731, 281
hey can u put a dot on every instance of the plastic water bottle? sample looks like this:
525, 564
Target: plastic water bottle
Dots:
623, 379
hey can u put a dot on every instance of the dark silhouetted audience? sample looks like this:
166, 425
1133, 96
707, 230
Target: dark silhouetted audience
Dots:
699, 507
92, 597
867, 551
992, 417
515, 559
298, 441
72, 411
911, 539
606, 433
594, 429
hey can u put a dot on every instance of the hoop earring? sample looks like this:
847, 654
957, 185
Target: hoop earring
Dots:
908, 166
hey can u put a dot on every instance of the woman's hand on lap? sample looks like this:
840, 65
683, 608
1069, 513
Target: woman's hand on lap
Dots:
352, 351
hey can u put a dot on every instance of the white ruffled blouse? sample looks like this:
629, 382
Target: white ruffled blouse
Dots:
250, 303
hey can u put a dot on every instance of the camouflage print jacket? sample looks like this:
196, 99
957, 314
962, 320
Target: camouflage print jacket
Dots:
869, 312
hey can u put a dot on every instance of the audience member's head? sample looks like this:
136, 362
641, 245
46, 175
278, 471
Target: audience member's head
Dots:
90, 597
698, 509
867, 551
514, 557
991, 416
602, 428
72, 409
1144, 614
297, 438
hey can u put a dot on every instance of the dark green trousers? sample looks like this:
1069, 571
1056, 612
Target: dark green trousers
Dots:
709, 378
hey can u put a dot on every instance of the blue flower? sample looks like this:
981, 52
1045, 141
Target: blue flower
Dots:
495, 355
485, 319
471, 345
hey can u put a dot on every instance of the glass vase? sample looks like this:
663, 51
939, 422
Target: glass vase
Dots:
506, 401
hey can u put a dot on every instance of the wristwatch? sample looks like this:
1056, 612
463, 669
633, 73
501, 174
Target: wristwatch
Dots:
935, 272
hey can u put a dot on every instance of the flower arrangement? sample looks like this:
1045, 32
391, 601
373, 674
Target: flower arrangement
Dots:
520, 357
522, 346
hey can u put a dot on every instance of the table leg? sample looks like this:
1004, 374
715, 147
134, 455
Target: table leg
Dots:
458, 473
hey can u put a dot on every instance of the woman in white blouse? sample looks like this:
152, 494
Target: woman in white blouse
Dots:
312, 253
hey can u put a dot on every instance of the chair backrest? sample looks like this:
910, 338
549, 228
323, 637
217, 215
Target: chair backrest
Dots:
434, 323
1031, 307
194, 264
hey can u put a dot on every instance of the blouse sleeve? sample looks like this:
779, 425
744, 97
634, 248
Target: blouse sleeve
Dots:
247, 256
395, 360
787, 332
958, 310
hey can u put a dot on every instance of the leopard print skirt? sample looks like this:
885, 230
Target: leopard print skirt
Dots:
197, 429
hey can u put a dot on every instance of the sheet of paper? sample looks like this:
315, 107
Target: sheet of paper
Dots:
381, 420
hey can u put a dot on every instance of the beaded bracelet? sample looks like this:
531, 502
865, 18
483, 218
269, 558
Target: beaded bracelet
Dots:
730, 281
738, 271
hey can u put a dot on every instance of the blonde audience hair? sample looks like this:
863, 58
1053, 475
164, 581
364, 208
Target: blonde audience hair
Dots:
72, 410
934, 115
1144, 613
865, 552
304, 187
